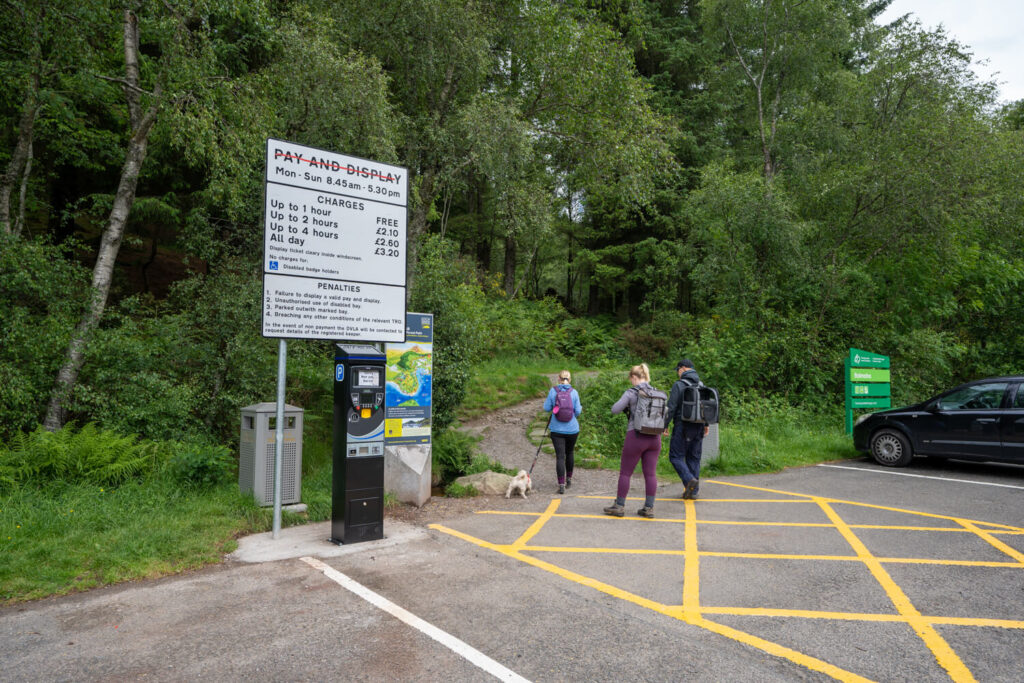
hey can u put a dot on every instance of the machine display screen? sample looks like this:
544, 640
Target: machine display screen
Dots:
367, 378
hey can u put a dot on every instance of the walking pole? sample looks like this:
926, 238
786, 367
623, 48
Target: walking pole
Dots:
539, 446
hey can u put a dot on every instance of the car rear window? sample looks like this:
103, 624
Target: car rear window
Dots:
1018, 402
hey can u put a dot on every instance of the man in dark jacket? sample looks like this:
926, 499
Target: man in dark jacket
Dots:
687, 437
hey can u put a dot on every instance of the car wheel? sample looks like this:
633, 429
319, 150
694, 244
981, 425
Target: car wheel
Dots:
890, 448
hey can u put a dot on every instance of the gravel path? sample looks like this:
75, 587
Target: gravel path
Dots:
504, 439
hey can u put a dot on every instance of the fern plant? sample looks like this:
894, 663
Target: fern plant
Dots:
88, 455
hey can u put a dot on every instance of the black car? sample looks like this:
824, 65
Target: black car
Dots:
980, 420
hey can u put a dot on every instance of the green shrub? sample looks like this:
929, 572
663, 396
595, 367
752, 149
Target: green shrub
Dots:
601, 433
452, 454
445, 285
182, 368
593, 342
454, 490
481, 463
89, 455
42, 293
523, 327
202, 464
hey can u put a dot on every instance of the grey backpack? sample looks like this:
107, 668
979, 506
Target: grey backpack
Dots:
649, 414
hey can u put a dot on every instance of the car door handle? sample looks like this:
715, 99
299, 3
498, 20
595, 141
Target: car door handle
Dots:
987, 420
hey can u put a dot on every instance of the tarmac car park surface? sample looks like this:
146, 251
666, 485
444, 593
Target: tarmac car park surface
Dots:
848, 572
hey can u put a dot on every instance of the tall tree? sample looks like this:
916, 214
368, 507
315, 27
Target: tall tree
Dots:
777, 50
185, 61
39, 43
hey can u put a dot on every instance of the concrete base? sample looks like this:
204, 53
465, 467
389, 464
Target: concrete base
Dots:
709, 449
407, 473
312, 540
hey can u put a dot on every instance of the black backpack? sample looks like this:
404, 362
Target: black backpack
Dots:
699, 403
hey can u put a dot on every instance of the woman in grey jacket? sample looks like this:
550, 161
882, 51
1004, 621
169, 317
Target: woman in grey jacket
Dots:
642, 448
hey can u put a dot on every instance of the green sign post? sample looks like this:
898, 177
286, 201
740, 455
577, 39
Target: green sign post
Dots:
866, 377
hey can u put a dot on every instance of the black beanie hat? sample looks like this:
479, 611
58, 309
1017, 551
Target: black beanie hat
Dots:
685, 363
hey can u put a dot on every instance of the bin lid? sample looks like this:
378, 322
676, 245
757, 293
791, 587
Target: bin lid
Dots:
269, 407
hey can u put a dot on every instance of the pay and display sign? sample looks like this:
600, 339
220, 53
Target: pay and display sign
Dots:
867, 384
334, 246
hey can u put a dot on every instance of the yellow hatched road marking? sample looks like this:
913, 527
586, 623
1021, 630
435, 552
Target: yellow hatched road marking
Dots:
944, 654
1005, 527
992, 540
725, 522
800, 658
708, 500
692, 612
691, 567
858, 616
771, 556
537, 525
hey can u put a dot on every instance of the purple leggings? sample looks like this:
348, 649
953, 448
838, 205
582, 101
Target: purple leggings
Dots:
645, 448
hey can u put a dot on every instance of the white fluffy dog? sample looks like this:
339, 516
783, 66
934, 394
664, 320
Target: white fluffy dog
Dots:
521, 483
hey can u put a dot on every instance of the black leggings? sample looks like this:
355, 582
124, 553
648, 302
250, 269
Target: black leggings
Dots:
565, 445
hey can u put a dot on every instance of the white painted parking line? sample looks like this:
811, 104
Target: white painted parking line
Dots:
448, 640
924, 476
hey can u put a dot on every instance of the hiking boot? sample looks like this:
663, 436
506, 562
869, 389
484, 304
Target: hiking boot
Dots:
691, 489
561, 488
647, 512
615, 510
568, 482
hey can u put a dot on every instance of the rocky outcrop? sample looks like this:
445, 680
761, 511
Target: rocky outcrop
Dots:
486, 483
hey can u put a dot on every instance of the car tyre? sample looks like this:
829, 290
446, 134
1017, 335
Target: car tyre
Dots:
890, 448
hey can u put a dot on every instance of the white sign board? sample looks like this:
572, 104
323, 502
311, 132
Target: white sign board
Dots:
334, 246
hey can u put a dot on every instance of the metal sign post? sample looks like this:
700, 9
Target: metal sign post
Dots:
282, 354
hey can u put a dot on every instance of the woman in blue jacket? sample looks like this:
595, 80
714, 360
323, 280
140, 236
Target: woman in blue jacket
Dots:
563, 402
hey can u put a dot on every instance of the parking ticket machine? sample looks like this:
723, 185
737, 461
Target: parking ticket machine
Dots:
357, 491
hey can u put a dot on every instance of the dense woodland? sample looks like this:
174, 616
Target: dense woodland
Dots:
759, 184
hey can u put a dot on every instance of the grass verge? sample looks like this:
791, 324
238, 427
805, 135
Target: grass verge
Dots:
498, 384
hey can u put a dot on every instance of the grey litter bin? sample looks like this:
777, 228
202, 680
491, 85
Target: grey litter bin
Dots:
256, 453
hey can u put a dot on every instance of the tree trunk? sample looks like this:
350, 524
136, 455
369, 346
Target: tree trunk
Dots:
593, 300
22, 150
510, 265
19, 223
417, 228
110, 243
483, 238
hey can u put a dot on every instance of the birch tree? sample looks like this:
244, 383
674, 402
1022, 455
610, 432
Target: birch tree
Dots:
185, 62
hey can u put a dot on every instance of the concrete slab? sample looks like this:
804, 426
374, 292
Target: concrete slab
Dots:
310, 540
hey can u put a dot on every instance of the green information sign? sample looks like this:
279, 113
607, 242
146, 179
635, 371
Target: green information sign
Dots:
859, 390
868, 375
866, 359
871, 403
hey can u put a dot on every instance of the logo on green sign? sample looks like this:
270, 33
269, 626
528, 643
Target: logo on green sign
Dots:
866, 359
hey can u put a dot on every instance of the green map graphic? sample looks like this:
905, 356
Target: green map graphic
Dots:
402, 366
